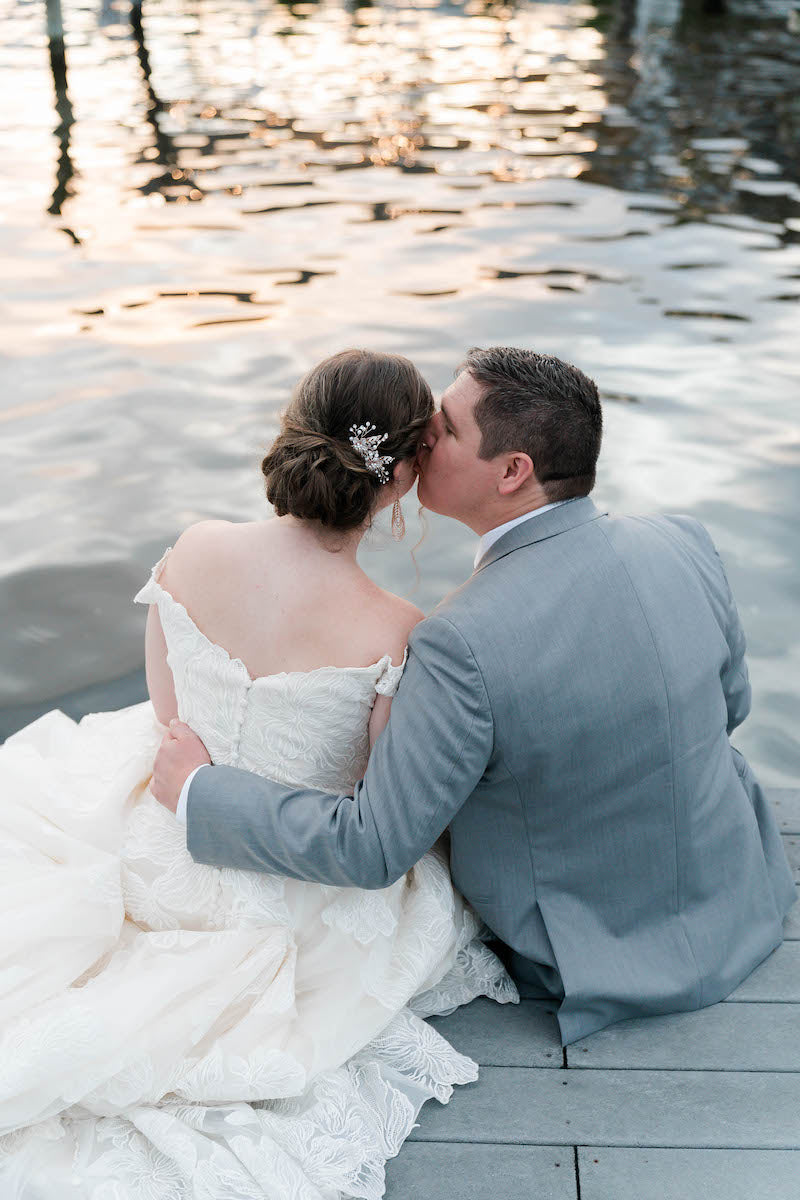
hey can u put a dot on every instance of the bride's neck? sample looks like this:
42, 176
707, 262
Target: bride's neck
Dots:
336, 541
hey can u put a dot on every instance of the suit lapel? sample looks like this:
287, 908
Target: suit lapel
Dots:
549, 524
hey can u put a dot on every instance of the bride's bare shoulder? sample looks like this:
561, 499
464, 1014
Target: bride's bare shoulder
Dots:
204, 544
403, 611
203, 533
397, 617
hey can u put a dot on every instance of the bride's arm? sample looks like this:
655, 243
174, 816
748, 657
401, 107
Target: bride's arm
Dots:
160, 684
380, 715
407, 617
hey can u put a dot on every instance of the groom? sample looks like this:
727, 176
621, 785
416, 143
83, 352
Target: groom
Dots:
566, 712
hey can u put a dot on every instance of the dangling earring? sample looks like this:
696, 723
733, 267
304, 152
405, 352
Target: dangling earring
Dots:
398, 523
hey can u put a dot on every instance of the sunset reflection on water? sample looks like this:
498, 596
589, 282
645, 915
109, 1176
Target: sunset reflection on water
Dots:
219, 195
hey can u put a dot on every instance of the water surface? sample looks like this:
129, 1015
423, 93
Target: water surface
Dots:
214, 198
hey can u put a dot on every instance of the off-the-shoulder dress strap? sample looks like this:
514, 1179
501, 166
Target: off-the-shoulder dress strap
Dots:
152, 591
389, 678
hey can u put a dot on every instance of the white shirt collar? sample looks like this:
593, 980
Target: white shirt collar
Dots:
492, 535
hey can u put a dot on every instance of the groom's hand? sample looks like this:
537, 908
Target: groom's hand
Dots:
179, 753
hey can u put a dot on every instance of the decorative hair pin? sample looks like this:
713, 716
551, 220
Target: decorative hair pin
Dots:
366, 439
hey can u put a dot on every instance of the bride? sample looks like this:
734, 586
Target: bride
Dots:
173, 1031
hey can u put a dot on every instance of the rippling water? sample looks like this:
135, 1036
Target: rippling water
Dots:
213, 198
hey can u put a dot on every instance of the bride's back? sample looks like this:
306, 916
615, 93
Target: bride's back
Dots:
280, 659
277, 598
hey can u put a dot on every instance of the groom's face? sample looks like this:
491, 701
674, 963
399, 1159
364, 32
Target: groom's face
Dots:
453, 480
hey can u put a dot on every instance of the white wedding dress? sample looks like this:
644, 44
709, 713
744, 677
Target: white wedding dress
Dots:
173, 1031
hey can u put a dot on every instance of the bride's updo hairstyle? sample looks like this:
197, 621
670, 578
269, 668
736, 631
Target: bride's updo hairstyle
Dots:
311, 470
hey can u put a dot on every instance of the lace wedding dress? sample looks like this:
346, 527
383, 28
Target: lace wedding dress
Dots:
173, 1031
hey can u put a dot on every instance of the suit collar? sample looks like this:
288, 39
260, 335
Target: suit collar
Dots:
549, 524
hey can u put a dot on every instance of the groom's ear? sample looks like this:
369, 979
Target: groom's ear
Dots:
517, 470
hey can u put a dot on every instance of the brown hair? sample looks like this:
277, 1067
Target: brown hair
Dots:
311, 470
544, 407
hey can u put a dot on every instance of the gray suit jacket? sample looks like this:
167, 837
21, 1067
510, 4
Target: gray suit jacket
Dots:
566, 712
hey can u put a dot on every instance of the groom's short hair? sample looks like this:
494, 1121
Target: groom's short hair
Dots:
544, 407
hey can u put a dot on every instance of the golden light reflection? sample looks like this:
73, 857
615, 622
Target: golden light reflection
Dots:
388, 84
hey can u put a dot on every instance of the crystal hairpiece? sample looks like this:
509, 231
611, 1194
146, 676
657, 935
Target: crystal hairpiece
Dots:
366, 439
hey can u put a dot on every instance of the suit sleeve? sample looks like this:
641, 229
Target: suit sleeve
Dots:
734, 676
422, 769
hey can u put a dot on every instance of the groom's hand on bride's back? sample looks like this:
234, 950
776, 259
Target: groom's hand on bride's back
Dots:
180, 752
